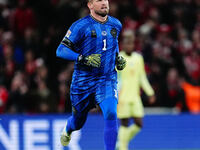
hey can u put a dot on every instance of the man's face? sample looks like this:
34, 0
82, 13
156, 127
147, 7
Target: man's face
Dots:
128, 45
100, 7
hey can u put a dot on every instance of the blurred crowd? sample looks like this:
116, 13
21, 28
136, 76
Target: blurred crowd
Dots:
33, 80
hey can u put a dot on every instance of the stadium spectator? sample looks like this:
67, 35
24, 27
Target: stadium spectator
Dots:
192, 96
3, 98
30, 41
45, 98
23, 17
64, 81
18, 96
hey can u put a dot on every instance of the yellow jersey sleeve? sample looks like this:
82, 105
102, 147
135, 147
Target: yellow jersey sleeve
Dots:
144, 81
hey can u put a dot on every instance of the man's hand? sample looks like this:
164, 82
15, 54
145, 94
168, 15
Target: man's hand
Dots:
152, 99
120, 63
93, 60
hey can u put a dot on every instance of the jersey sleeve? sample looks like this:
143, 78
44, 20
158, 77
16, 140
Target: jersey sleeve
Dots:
144, 81
74, 33
120, 26
119, 79
67, 48
73, 36
66, 53
120, 29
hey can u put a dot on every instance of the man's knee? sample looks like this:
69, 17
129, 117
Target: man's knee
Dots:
138, 122
124, 122
109, 108
110, 114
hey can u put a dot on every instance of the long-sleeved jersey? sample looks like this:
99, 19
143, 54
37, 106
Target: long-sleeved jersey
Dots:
88, 36
133, 78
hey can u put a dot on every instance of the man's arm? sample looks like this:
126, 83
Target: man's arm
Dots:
144, 81
146, 85
64, 51
67, 48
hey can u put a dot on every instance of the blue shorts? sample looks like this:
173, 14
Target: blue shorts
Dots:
89, 99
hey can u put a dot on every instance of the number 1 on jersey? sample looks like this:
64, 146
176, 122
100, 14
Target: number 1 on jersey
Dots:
104, 45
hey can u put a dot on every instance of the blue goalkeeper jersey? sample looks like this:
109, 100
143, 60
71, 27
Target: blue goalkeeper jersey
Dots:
89, 36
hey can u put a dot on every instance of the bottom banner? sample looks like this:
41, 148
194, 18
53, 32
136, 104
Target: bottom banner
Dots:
42, 132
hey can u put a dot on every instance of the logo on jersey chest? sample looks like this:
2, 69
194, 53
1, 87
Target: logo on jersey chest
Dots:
104, 33
113, 32
93, 34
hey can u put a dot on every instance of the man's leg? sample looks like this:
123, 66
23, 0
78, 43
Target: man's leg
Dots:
135, 128
109, 109
137, 113
75, 122
123, 138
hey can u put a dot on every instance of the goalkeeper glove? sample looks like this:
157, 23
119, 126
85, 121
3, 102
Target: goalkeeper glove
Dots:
93, 60
120, 63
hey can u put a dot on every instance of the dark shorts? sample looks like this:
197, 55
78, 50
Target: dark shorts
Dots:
89, 99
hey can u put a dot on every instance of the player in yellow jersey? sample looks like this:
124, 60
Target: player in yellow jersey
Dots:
131, 80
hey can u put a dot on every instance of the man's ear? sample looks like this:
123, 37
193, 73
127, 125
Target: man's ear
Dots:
89, 4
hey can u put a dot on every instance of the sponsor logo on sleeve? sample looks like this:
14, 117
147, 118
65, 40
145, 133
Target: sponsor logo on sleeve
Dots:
68, 33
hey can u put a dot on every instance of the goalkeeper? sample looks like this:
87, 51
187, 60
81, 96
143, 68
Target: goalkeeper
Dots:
92, 42
131, 79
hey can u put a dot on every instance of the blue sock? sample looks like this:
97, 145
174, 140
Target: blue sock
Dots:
75, 122
110, 134
70, 126
109, 109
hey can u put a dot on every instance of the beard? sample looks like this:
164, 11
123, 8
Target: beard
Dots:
102, 13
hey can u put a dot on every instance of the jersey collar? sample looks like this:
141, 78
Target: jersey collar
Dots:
98, 20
